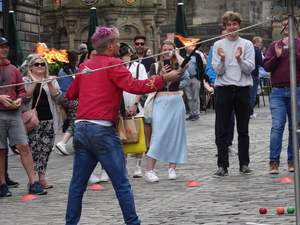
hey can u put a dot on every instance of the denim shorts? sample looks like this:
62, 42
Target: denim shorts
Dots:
148, 120
12, 127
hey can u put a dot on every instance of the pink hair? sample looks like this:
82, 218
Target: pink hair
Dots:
103, 33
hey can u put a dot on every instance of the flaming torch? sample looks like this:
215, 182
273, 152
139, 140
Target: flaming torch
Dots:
53, 55
188, 42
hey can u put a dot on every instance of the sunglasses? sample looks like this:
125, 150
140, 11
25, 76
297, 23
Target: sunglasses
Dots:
39, 64
139, 43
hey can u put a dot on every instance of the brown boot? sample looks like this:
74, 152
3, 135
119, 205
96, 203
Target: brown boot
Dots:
273, 168
291, 166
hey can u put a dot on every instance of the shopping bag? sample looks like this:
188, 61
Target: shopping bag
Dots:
149, 105
139, 147
121, 129
129, 130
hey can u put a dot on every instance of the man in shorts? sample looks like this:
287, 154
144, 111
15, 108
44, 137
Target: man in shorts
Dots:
11, 125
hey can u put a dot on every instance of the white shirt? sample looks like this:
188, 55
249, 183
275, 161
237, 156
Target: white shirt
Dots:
129, 98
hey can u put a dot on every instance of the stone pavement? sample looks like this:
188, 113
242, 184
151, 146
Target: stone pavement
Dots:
234, 199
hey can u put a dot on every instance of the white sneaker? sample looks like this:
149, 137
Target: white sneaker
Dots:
103, 176
94, 179
137, 172
62, 148
232, 151
150, 176
172, 174
254, 115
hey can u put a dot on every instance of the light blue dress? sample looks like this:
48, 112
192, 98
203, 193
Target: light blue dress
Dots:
168, 125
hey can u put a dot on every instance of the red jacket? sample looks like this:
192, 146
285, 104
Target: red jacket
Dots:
9, 74
99, 93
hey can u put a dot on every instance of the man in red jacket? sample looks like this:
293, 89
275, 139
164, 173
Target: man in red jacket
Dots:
99, 97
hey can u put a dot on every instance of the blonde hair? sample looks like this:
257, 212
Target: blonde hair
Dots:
31, 62
230, 15
173, 60
256, 39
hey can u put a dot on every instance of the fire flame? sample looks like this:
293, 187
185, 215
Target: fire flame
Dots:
52, 55
187, 41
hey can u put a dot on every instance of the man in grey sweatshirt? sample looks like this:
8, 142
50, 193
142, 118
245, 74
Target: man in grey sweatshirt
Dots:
233, 61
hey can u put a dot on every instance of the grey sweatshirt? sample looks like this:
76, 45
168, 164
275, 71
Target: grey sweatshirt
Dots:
230, 72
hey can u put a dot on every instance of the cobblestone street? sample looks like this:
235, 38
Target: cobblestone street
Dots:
234, 199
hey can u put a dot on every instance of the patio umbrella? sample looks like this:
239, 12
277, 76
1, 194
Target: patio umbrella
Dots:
15, 55
93, 23
180, 24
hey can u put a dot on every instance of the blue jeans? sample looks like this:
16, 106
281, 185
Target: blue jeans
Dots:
253, 91
280, 106
238, 99
93, 144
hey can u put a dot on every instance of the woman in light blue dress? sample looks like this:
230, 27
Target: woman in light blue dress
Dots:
168, 117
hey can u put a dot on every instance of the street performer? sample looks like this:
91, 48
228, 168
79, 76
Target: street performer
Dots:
99, 97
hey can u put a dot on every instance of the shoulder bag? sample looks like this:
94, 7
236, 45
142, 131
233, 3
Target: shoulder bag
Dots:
149, 101
144, 97
30, 118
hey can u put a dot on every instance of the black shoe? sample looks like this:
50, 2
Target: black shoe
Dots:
195, 117
36, 189
4, 192
246, 170
10, 183
222, 172
190, 117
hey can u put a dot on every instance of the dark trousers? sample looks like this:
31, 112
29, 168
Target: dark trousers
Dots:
232, 123
238, 99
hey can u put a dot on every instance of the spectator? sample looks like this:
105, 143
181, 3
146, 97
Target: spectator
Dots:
91, 52
147, 51
233, 61
11, 124
140, 45
131, 101
257, 43
168, 114
41, 139
82, 48
277, 63
192, 91
98, 106
70, 106
209, 71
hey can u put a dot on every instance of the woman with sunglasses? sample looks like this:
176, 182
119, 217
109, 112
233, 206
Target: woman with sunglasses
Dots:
168, 116
41, 139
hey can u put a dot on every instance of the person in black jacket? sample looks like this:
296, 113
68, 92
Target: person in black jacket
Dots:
196, 72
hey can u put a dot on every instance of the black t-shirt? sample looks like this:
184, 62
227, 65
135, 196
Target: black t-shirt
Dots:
43, 107
147, 63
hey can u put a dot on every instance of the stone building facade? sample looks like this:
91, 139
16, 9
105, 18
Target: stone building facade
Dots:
63, 24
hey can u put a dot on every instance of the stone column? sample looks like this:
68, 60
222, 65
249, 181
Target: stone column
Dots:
148, 20
71, 20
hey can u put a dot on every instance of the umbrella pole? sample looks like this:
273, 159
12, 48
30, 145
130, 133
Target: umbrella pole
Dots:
293, 86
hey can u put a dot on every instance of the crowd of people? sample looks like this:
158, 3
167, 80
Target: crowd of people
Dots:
230, 73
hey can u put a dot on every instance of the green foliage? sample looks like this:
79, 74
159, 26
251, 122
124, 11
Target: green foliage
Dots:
53, 68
